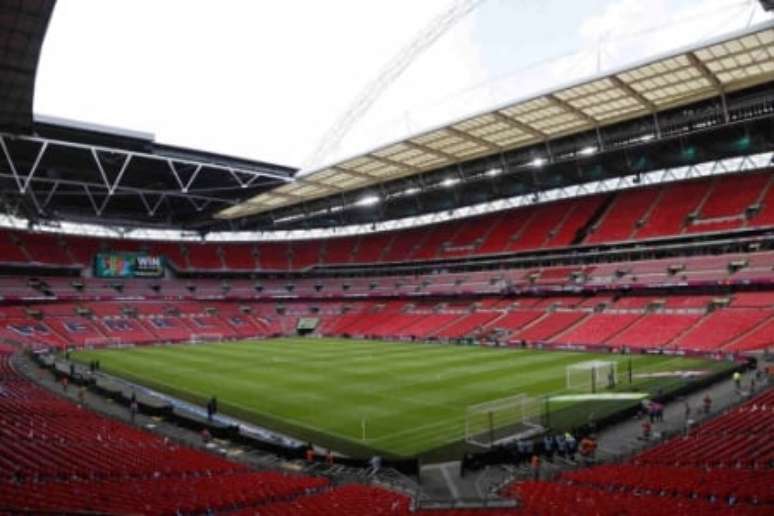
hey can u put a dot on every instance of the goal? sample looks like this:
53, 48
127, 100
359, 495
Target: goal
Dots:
499, 421
102, 342
197, 338
592, 375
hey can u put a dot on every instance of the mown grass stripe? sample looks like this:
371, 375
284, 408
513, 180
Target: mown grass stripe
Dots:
413, 395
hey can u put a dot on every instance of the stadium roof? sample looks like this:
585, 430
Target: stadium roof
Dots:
710, 69
23, 25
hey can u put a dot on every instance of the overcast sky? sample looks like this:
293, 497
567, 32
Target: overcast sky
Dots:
266, 79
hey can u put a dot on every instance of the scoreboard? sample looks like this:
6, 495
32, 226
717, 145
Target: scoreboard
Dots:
128, 265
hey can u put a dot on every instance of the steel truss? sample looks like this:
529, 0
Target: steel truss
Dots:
100, 193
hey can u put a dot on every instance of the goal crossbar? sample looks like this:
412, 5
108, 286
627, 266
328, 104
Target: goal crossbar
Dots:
592, 375
498, 421
205, 337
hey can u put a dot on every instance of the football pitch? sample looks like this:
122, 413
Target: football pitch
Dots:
363, 397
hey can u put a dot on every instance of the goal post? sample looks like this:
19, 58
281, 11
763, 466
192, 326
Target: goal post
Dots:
102, 342
197, 338
494, 422
592, 375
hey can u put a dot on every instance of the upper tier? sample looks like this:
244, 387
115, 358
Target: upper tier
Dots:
705, 205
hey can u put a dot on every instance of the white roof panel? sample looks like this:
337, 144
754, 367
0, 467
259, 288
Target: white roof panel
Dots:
733, 62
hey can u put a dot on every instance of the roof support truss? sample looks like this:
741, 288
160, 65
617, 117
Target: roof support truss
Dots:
571, 109
392, 163
521, 126
112, 167
633, 93
473, 139
429, 150
23, 182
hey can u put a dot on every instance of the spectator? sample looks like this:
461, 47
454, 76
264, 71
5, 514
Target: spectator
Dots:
535, 464
707, 403
561, 445
376, 465
659, 409
309, 453
206, 437
548, 445
81, 395
737, 380
65, 381
209, 410
588, 447
646, 429
329, 457
133, 410
572, 445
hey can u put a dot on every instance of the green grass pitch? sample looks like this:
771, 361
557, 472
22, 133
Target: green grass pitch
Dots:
411, 396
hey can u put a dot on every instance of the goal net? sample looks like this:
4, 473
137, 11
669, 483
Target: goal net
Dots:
102, 342
197, 338
592, 375
499, 421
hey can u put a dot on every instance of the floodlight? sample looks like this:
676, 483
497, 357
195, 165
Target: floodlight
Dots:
368, 200
449, 182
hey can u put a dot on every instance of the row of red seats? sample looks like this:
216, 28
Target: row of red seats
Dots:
561, 499
56, 456
714, 270
359, 500
678, 322
698, 206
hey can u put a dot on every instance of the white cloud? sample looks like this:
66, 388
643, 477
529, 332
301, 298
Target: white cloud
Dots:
256, 79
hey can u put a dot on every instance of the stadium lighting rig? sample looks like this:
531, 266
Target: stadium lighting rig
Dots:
369, 200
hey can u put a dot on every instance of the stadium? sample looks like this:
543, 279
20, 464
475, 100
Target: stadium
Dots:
561, 303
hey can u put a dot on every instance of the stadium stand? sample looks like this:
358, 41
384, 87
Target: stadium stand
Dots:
696, 323
620, 215
59, 457
721, 467
696, 206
